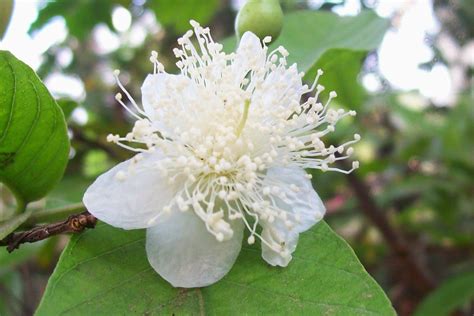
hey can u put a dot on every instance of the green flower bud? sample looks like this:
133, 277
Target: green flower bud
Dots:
261, 17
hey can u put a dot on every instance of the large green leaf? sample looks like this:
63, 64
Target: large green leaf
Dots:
308, 35
335, 44
453, 294
34, 144
105, 271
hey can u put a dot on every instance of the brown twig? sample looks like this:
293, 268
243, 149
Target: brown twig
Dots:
74, 224
416, 275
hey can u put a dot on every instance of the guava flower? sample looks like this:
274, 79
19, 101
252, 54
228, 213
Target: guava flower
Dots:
221, 147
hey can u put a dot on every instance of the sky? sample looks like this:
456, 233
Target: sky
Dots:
404, 47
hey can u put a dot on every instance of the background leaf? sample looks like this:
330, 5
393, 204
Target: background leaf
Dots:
341, 68
81, 16
34, 145
67, 106
335, 44
105, 271
449, 296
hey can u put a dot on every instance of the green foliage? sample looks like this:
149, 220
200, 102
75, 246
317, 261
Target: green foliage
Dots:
34, 145
453, 294
438, 143
176, 14
80, 15
105, 271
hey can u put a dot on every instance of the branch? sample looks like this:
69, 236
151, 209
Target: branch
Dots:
415, 273
74, 224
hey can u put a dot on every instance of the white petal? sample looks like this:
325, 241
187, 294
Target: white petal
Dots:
281, 237
186, 255
249, 55
133, 201
305, 202
250, 40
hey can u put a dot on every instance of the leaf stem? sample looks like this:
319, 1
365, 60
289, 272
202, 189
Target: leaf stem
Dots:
21, 205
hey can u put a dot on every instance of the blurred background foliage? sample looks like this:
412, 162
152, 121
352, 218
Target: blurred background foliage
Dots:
417, 156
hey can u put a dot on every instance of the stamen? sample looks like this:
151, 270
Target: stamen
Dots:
116, 74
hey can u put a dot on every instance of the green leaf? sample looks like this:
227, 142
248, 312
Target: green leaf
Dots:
307, 35
176, 14
335, 44
105, 271
13, 223
449, 296
34, 144
6, 10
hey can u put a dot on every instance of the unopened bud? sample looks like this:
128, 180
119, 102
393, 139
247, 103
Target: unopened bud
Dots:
262, 17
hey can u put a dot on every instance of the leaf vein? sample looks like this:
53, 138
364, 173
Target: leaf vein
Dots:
301, 300
10, 117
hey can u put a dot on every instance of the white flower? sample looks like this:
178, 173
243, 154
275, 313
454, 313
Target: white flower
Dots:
222, 147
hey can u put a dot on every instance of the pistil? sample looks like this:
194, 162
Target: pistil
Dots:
243, 120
